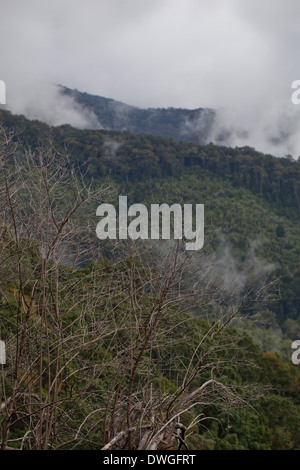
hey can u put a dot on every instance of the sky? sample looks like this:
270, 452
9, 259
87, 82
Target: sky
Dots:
238, 56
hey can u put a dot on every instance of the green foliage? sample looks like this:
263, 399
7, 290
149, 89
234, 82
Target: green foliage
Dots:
251, 212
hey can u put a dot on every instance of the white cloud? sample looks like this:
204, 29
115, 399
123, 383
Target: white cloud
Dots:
234, 54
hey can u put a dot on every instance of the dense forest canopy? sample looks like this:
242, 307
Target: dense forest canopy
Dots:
252, 202
135, 328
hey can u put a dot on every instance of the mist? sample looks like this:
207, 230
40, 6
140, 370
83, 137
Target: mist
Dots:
235, 56
237, 276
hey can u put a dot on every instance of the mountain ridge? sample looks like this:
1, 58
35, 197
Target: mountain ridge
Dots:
178, 123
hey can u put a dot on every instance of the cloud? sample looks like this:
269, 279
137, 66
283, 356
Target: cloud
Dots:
238, 276
112, 146
233, 55
45, 102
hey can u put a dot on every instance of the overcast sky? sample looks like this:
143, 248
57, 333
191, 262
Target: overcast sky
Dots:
237, 55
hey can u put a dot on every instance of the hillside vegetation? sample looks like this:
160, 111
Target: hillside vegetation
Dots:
252, 205
109, 344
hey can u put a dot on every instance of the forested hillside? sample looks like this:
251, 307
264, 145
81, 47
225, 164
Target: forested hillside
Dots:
179, 124
252, 205
115, 342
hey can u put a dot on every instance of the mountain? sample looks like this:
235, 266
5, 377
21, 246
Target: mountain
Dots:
85, 376
275, 134
252, 205
179, 124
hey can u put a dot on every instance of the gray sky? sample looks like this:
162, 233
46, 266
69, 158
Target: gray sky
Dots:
237, 55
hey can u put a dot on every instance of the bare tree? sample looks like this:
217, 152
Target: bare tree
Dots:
167, 290
47, 327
